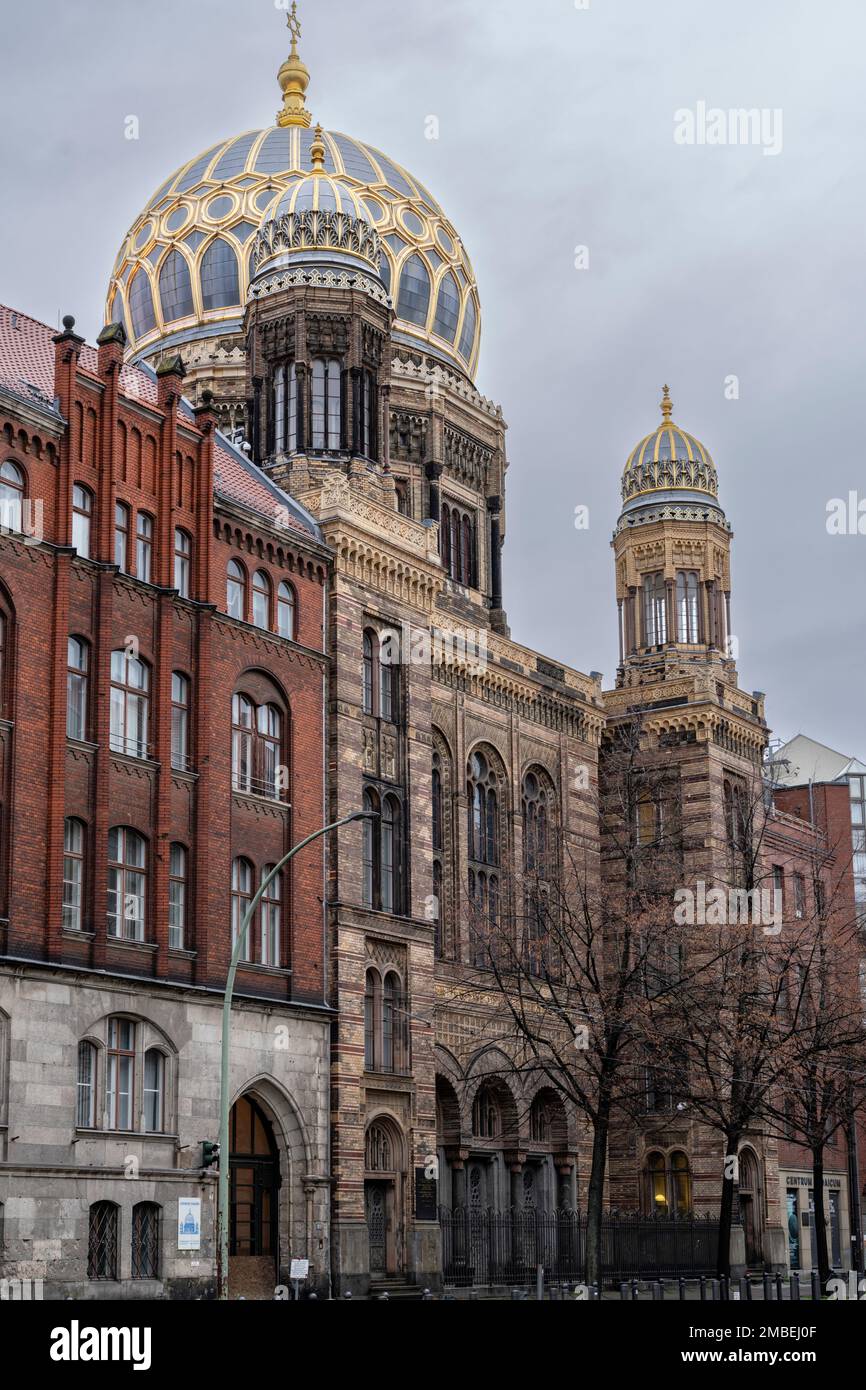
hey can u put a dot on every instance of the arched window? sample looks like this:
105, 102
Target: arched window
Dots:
182, 562
379, 1150
154, 1091
389, 682
130, 685
286, 611
655, 613
657, 1187
292, 432
243, 731
457, 531
370, 857
486, 1118
368, 414
443, 847
126, 884
102, 1241
681, 1185
73, 874
688, 611
384, 1023
383, 854
77, 668
175, 287
370, 648
646, 818
141, 304
267, 751
326, 404
467, 337
145, 1240
390, 1023
242, 896
82, 516
85, 1108
121, 536
11, 496
447, 309
144, 547
445, 537
261, 600
413, 303
484, 858
390, 833
438, 828
180, 759
270, 920
177, 896
539, 950
279, 408
372, 988
236, 590
120, 1075
219, 276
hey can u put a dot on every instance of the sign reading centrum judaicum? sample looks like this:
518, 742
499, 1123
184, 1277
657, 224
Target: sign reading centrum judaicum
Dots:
189, 1223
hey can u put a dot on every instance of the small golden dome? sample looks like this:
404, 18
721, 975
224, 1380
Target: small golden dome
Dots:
670, 460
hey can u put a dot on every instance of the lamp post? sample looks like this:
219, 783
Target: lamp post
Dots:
223, 1197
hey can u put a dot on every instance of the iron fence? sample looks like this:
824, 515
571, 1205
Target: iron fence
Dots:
489, 1247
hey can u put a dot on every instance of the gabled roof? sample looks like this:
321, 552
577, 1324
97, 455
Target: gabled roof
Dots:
27, 371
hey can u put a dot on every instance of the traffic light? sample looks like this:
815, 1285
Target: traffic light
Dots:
210, 1154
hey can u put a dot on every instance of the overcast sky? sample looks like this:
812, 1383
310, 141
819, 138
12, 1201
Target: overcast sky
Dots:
556, 131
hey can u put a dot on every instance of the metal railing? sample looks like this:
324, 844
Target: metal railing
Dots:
488, 1247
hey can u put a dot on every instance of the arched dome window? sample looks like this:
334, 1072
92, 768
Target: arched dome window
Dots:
385, 272
467, 337
175, 287
414, 301
447, 309
220, 288
141, 304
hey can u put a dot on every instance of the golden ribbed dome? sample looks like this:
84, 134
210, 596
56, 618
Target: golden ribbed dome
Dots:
669, 461
184, 269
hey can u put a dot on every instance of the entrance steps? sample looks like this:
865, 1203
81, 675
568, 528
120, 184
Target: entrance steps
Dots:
398, 1290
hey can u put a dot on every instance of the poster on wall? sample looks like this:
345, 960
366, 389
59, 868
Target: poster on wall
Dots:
189, 1223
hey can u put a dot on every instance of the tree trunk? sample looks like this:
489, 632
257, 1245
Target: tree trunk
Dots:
820, 1218
595, 1197
726, 1211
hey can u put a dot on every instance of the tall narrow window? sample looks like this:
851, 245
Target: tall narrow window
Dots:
180, 759
286, 611
102, 1223
85, 1110
368, 414
73, 874
182, 562
126, 884
370, 855
242, 743
270, 736
389, 687
688, 629
130, 684
261, 600
389, 1004
177, 884
655, 610
154, 1091
242, 896
388, 836
371, 1001
82, 515
280, 410
144, 547
270, 914
484, 857
120, 1077
77, 663
145, 1241
121, 536
236, 590
326, 404
369, 671
11, 496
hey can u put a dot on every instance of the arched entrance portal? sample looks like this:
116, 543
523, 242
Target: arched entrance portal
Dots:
254, 1179
750, 1208
384, 1197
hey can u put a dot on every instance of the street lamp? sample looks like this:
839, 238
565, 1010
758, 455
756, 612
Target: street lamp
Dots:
223, 1197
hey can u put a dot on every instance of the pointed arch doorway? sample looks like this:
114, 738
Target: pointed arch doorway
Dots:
254, 1184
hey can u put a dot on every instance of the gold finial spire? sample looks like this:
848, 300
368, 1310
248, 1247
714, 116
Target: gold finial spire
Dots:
294, 78
666, 403
317, 151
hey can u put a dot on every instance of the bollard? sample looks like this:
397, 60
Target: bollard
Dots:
348, 1295
624, 1292
816, 1285
703, 1288
657, 1291
768, 1289
634, 1290
715, 1288
778, 1288
794, 1285
682, 1284
539, 1283
745, 1290
426, 1296
383, 1297
725, 1291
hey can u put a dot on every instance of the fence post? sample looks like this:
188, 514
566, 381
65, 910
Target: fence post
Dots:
794, 1285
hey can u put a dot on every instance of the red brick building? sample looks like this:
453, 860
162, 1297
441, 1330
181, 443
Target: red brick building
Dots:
163, 687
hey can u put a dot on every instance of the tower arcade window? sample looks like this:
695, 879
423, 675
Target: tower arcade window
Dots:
327, 404
457, 534
688, 609
655, 618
